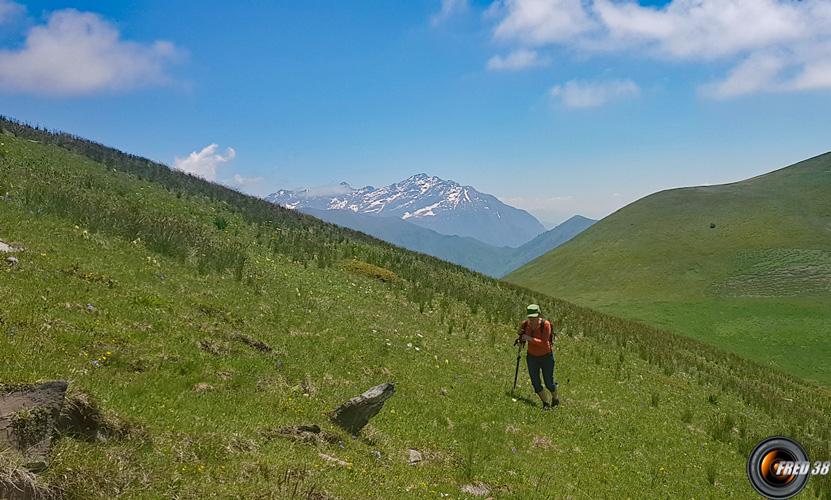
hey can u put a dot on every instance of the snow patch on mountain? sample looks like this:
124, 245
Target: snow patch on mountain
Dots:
442, 205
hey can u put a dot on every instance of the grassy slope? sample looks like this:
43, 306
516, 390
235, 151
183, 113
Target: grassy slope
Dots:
758, 282
635, 417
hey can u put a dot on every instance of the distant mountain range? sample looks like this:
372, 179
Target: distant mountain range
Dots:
462, 250
444, 206
440, 218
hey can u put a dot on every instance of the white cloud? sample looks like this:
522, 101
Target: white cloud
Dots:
79, 53
757, 73
540, 22
449, 8
241, 181
516, 60
773, 45
328, 190
204, 163
9, 10
585, 94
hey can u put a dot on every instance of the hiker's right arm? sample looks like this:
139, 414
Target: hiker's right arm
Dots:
520, 332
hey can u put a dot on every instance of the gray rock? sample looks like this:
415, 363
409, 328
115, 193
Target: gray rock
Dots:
11, 261
28, 418
414, 456
354, 414
477, 489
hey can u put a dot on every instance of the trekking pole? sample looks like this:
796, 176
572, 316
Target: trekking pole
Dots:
516, 372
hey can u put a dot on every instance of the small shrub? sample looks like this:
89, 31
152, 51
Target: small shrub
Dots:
711, 474
722, 428
221, 223
362, 268
686, 416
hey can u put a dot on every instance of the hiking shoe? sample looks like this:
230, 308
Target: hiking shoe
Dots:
546, 407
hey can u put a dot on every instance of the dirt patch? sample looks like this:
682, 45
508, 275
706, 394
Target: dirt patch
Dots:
202, 387
17, 483
309, 434
541, 442
213, 347
81, 418
252, 342
28, 415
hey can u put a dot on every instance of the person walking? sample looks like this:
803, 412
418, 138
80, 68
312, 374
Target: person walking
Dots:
539, 335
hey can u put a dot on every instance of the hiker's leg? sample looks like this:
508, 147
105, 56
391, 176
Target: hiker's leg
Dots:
534, 373
548, 372
534, 369
548, 377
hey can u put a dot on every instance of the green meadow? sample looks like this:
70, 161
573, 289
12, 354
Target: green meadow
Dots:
140, 286
745, 266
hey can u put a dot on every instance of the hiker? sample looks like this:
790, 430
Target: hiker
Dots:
539, 335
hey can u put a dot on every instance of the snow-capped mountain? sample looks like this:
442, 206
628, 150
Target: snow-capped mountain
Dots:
441, 205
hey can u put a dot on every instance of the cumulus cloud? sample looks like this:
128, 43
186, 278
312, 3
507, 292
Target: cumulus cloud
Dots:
78, 53
204, 163
540, 22
9, 10
449, 8
327, 190
241, 181
586, 94
516, 60
772, 45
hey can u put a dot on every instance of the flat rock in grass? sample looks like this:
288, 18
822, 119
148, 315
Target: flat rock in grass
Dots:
476, 489
9, 247
11, 261
413, 456
333, 460
354, 414
28, 418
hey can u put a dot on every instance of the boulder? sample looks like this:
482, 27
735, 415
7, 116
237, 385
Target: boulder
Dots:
354, 414
28, 417
9, 247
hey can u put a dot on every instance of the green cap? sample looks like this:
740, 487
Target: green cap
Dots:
533, 311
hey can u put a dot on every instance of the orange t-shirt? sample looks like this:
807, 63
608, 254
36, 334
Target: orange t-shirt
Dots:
541, 345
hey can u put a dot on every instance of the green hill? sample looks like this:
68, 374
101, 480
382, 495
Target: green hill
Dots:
745, 266
146, 289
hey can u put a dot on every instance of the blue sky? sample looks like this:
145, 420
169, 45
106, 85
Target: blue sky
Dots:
556, 106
